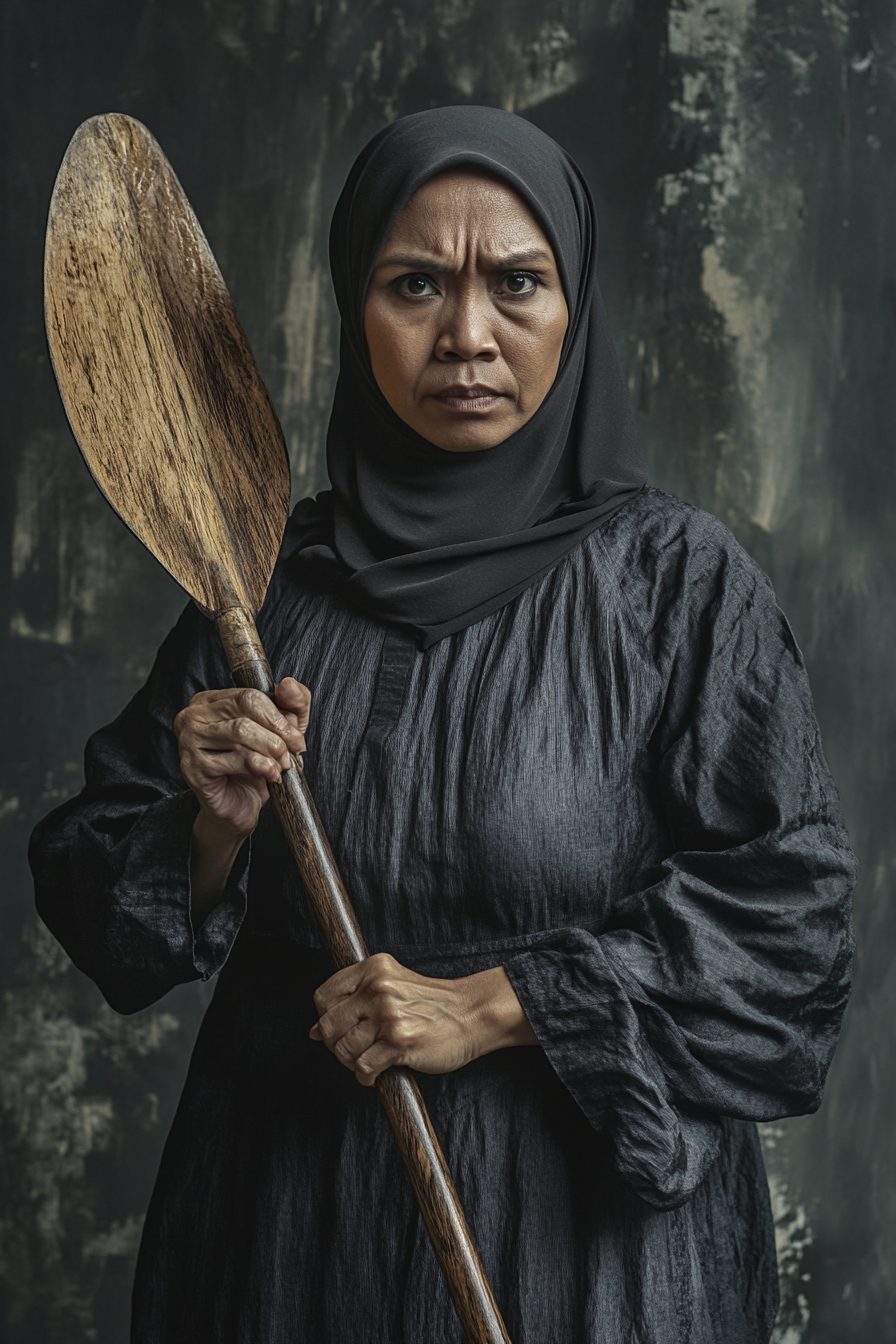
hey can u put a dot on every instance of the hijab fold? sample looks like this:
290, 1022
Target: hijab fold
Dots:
433, 540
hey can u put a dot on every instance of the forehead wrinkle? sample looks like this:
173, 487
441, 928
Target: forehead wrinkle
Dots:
426, 240
456, 214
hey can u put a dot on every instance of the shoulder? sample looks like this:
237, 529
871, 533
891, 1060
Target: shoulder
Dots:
306, 607
657, 534
304, 567
309, 525
679, 569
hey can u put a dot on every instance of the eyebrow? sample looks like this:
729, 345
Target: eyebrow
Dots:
431, 266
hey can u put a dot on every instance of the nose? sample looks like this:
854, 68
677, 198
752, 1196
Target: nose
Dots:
466, 331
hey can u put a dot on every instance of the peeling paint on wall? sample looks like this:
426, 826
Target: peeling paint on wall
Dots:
307, 323
748, 322
793, 1237
71, 1087
69, 555
121, 1239
714, 35
35, 497
740, 190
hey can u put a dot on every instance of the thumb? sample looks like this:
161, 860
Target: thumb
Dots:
292, 697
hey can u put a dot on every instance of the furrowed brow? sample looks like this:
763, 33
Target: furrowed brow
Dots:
430, 265
517, 259
433, 266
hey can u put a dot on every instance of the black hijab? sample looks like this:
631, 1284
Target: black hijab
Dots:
434, 540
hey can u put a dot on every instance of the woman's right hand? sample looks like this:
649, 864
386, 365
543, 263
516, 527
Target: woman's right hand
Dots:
233, 744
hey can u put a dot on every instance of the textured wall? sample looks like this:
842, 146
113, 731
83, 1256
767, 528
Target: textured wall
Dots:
742, 153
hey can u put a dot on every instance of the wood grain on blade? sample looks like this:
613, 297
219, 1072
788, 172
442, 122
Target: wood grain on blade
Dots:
160, 386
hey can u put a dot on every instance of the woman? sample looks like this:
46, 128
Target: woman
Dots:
564, 748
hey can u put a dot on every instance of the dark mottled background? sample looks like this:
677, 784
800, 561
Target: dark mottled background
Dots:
742, 153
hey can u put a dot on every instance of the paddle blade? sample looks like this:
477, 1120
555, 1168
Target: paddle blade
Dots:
161, 389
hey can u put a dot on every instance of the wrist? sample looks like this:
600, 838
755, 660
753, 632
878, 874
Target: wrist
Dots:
213, 851
499, 1021
210, 832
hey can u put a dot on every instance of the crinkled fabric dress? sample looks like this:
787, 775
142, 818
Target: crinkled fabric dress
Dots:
613, 786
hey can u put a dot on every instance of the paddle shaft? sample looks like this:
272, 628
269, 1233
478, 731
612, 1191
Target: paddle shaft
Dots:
400, 1096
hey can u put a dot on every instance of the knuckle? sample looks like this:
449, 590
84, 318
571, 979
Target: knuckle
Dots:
192, 766
242, 730
249, 700
380, 976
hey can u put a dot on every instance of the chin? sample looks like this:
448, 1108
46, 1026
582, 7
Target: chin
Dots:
465, 438
469, 447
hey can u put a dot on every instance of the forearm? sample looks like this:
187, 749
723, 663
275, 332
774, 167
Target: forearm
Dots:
213, 853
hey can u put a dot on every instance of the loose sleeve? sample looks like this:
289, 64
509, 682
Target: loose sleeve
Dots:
111, 866
718, 990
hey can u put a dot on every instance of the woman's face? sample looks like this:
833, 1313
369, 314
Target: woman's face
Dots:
465, 316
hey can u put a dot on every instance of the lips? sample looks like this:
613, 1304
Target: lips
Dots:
468, 397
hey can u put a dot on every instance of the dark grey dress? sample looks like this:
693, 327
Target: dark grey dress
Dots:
614, 786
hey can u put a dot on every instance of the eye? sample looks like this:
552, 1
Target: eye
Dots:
415, 286
520, 284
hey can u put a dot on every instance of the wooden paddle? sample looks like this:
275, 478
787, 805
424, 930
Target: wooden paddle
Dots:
170, 412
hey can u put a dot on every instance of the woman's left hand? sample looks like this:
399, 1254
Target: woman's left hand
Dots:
379, 1013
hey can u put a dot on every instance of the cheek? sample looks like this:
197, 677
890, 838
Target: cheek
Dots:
533, 354
555, 332
399, 352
